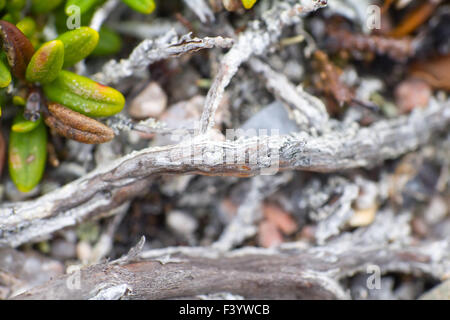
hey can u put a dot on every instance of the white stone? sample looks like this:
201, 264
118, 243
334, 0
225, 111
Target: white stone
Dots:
150, 103
181, 222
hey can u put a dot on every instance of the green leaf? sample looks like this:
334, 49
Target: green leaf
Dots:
27, 156
78, 44
40, 6
15, 5
108, 44
9, 17
5, 75
19, 101
46, 63
142, 6
27, 25
84, 95
2, 4
23, 125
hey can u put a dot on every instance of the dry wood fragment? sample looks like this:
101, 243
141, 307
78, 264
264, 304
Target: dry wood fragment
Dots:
358, 43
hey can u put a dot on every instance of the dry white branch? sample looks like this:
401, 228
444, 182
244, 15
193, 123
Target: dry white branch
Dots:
338, 212
108, 186
121, 122
308, 110
102, 14
254, 41
150, 51
201, 9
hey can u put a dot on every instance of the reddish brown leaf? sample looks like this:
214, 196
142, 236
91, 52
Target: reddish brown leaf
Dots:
436, 72
415, 18
75, 126
328, 79
18, 48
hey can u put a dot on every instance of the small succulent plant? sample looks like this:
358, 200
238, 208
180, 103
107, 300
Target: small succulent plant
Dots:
45, 90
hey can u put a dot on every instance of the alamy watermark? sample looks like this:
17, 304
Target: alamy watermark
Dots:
373, 17
73, 281
373, 281
74, 19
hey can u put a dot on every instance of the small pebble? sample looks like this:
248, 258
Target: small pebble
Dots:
269, 235
84, 251
363, 217
181, 222
411, 94
150, 103
436, 211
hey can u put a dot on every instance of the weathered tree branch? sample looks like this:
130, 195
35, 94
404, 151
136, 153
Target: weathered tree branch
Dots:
291, 271
108, 186
263, 274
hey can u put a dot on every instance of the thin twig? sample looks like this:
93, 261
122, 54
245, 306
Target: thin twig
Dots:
102, 14
150, 51
201, 9
311, 111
